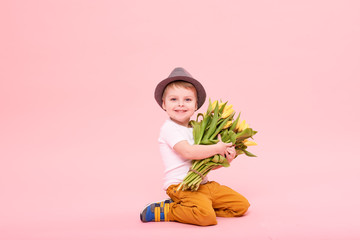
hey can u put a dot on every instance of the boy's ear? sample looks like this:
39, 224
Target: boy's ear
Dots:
163, 104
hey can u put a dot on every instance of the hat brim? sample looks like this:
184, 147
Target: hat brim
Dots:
159, 90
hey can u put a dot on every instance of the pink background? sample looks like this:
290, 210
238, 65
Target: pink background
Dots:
79, 125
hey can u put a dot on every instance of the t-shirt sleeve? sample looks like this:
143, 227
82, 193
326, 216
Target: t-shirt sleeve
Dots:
172, 135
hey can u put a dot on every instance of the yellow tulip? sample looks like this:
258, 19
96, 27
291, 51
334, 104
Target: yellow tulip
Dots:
249, 143
227, 107
240, 126
213, 105
227, 111
228, 124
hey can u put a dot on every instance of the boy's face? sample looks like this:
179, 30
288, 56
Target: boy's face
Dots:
180, 104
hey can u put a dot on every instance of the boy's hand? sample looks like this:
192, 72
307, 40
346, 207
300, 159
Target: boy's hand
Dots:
223, 147
230, 153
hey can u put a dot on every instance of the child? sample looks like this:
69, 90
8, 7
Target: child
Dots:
180, 95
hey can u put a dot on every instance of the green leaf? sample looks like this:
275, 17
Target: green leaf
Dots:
249, 154
222, 107
225, 136
196, 132
239, 151
224, 161
199, 114
235, 123
192, 123
209, 109
232, 137
220, 127
208, 142
203, 126
213, 122
244, 134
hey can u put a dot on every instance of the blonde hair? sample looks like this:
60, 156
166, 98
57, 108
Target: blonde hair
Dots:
180, 84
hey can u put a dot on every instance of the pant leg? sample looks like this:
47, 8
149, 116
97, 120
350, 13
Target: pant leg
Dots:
191, 207
227, 202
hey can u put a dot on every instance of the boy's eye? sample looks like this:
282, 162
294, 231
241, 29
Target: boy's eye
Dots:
188, 99
172, 99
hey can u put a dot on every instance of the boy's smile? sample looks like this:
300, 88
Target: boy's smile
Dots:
180, 104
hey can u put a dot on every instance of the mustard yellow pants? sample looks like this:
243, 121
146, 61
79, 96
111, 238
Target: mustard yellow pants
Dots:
202, 207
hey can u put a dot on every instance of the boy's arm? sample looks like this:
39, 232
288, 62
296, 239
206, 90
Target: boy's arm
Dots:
198, 152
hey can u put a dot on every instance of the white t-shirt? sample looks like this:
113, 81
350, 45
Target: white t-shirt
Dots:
176, 167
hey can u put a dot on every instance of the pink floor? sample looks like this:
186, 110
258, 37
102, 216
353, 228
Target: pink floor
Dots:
323, 207
267, 219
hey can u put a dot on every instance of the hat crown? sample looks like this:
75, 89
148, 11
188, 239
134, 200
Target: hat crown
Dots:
180, 72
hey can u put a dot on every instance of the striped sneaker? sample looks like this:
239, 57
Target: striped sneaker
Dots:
156, 212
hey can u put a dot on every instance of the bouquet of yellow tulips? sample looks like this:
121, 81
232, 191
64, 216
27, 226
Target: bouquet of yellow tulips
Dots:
218, 119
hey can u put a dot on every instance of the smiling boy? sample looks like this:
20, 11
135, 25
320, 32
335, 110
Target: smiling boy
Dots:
180, 95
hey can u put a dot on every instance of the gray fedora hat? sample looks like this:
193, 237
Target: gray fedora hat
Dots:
176, 75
